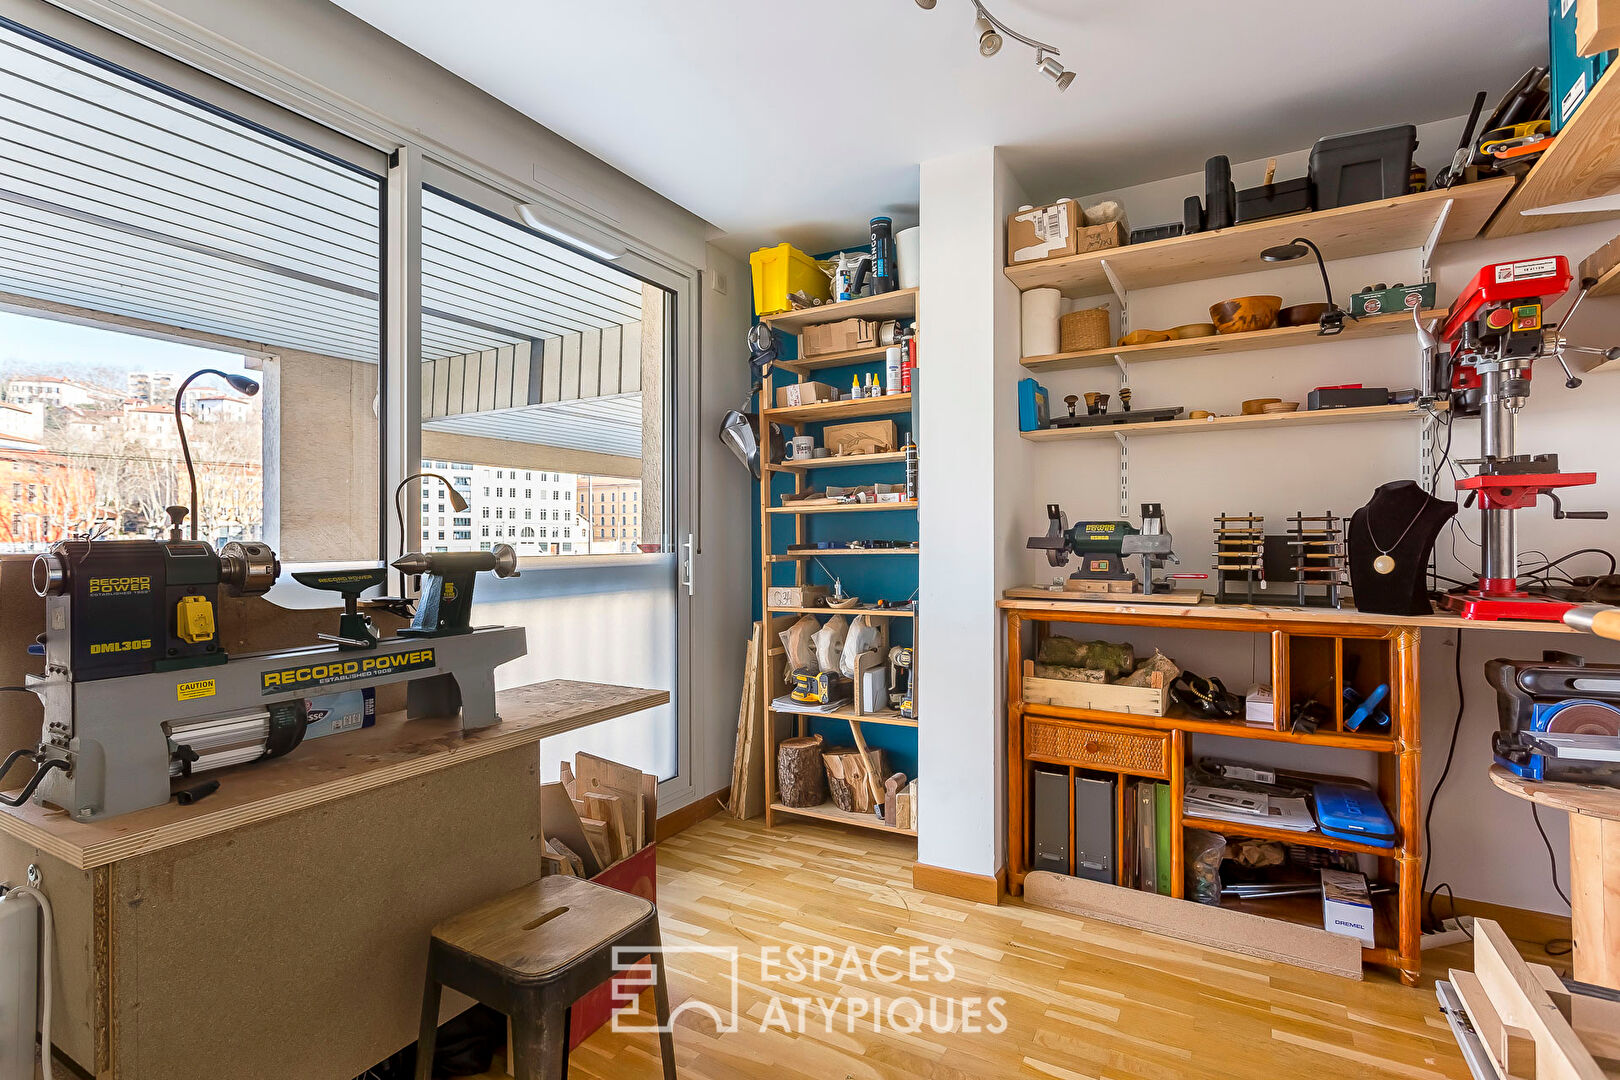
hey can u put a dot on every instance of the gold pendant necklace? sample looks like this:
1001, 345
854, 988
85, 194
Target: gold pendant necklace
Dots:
1385, 563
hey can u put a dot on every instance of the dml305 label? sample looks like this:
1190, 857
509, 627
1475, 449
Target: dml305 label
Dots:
306, 676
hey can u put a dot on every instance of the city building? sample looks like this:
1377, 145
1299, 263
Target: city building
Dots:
612, 506
530, 509
213, 408
22, 425
57, 392
152, 387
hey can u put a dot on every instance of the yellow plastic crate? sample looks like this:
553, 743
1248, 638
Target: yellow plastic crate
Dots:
781, 271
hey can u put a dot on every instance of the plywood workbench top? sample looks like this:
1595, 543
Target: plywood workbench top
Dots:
327, 769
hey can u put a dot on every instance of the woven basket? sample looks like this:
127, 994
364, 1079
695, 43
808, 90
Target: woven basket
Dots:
1081, 331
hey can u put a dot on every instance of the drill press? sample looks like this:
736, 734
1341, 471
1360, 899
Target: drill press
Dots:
1495, 331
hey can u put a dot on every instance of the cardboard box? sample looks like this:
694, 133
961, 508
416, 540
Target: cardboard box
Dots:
844, 335
790, 596
347, 710
1347, 906
805, 393
860, 437
1035, 233
1110, 234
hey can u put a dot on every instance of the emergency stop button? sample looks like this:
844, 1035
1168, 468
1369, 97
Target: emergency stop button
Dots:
1499, 319
195, 619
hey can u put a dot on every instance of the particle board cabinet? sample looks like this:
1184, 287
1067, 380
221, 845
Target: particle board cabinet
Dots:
1310, 658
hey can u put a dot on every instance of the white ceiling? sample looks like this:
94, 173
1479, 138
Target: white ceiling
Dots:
800, 120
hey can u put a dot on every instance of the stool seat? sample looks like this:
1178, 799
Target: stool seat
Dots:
539, 928
532, 954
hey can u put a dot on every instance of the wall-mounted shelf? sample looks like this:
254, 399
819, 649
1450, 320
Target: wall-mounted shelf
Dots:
854, 409
1377, 326
841, 462
842, 508
1344, 232
832, 360
879, 613
1229, 423
828, 812
901, 304
836, 553
1581, 164
886, 716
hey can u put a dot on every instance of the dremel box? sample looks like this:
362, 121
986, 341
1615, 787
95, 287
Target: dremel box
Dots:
349, 710
1347, 906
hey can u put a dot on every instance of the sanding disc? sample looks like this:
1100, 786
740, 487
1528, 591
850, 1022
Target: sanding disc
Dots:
1585, 718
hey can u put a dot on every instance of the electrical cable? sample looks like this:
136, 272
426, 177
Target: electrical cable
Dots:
1565, 946
47, 942
1451, 753
1452, 898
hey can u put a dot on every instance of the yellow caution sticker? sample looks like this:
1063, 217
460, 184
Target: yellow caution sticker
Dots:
191, 691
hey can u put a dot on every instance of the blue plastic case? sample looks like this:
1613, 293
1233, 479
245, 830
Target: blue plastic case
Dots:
1353, 813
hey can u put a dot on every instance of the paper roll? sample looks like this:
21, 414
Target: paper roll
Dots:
1042, 307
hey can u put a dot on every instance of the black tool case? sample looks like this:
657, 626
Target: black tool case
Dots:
1362, 166
1274, 200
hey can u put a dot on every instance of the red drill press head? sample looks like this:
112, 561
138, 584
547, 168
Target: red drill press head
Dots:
1490, 300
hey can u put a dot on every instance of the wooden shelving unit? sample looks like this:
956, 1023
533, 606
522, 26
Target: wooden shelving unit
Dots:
1582, 164
900, 304
1307, 661
1229, 423
895, 305
1345, 232
1285, 337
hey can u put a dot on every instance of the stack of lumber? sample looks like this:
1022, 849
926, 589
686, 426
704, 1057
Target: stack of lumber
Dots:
599, 813
747, 798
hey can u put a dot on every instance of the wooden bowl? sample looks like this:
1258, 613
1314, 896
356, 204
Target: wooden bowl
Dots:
1255, 406
1282, 407
1192, 330
1144, 337
1245, 314
1200, 414
1301, 314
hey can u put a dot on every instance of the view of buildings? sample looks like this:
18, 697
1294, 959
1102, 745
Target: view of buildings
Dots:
536, 512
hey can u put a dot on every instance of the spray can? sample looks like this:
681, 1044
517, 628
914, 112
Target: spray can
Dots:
884, 275
892, 367
907, 363
911, 468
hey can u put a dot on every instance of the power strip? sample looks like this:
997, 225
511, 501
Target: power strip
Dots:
1452, 932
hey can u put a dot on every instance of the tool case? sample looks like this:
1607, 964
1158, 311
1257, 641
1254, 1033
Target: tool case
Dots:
1362, 166
1274, 200
1353, 813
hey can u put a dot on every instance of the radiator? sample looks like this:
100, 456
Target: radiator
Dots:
19, 974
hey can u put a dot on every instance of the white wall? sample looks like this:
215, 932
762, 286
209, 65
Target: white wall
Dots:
1484, 843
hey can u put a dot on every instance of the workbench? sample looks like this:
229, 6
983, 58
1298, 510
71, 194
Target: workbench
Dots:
279, 928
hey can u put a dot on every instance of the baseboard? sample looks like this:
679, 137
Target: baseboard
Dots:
678, 821
979, 888
1535, 927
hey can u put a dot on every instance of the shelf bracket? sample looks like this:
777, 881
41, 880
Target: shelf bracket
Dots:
1119, 294
1434, 237
1124, 476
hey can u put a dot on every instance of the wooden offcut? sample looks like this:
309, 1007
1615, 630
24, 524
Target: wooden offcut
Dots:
852, 777
801, 779
747, 763
596, 775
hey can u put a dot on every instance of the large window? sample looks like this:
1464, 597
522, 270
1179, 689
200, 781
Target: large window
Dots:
543, 379
187, 239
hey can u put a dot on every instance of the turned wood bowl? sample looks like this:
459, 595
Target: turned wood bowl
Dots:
1244, 314
1281, 407
1191, 330
1144, 337
1255, 406
1301, 314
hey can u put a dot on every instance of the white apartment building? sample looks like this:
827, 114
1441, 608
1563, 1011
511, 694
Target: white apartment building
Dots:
152, 387
59, 393
530, 509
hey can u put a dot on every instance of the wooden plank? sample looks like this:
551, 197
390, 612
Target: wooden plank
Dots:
841, 508
833, 359
1219, 928
1503, 1045
827, 811
612, 812
1069, 596
843, 462
560, 821
853, 409
1303, 418
1516, 995
900, 304
328, 769
1257, 617
329, 912
1581, 164
1594, 892
1344, 232
600, 776
1377, 326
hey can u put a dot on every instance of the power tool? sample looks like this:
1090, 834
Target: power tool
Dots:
1102, 547
1558, 718
902, 681
1495, 330
819, 687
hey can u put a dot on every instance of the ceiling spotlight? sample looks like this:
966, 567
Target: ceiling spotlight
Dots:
989, 40
927, 5
1053, 69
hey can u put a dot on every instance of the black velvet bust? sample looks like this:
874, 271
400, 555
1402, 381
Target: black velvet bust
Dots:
1396, 507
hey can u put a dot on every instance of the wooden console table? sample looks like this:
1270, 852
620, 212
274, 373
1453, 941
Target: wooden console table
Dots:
280, 927
1308, 649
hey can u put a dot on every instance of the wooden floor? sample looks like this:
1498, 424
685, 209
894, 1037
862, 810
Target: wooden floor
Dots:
1084, 999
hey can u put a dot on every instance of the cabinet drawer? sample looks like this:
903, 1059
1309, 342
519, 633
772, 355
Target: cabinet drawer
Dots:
1088, 746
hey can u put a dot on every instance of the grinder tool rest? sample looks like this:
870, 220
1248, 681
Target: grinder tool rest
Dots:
137, 689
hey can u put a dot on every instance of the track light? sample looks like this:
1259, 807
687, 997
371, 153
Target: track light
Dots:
989, 40
1054, 70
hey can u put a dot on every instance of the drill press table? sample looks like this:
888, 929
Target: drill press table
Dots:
279, 927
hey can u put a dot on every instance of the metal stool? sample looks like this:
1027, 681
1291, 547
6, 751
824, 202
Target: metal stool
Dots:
531, 954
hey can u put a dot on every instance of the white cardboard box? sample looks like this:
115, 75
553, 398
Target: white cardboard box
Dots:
1347, 906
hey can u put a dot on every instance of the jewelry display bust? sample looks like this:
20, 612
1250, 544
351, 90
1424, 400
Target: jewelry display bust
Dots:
1390, 542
